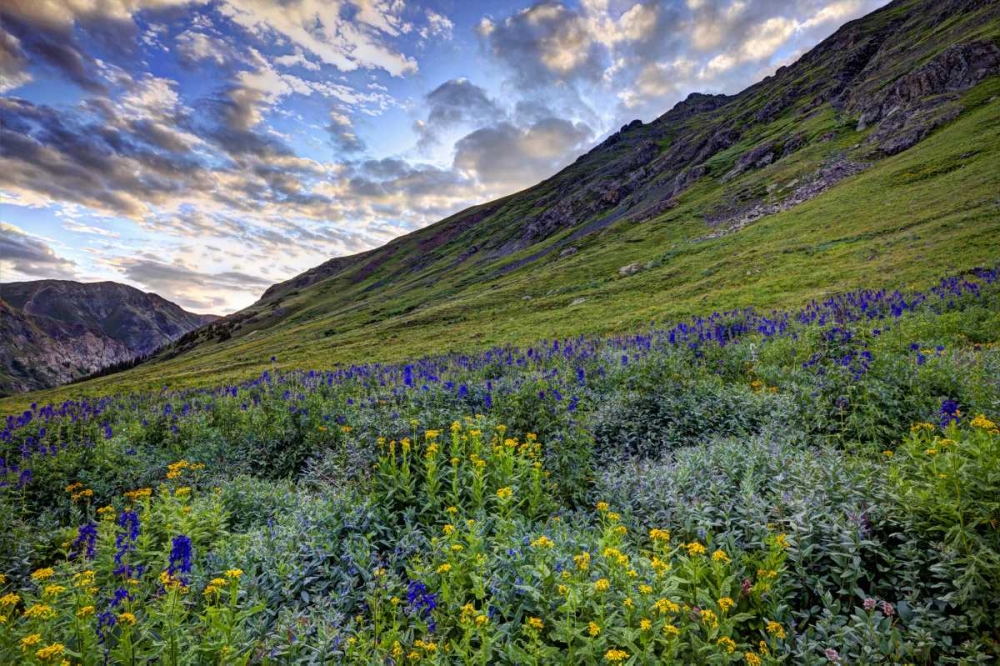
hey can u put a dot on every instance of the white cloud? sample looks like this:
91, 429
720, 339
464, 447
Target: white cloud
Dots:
194, 47
319, 27
438, 25
79, 228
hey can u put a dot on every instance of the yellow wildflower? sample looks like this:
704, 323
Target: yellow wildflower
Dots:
982, 422
582, 561
659, 566
536, 623
141, 493
234, 574
127, 618
444, 568
593, 629
602, 506
720, 556
710, 618
10, 599
670, 630
43, 574
931, 452
782, 541
39, 610
602, 585
30, 640
616, 656
86, 611
695, 548
775, 629
448, 529
505, 493
752, 659
543, 542
888, 454
727, 644
84, 578
174, 470
725, 603
665, 606
53, 590
645, 624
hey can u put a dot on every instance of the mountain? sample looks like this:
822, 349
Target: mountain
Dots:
873, 159
54, 331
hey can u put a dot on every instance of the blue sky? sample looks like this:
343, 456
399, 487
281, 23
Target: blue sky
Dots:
205, 149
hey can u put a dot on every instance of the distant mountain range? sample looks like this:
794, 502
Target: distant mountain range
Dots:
872, 160
55, 331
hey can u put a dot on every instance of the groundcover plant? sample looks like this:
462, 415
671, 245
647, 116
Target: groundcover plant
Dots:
803, 487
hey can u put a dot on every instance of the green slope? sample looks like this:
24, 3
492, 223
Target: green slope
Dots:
546, 261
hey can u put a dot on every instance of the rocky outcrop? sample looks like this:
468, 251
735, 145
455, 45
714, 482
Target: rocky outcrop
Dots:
734, 218
917, 103
629, 269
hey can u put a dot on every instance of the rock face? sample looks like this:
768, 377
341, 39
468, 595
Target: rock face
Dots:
54, 331
920, 102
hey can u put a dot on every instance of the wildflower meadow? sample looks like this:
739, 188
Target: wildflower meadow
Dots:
819, 486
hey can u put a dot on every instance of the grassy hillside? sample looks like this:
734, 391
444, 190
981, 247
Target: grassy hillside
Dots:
908, 219
878, 167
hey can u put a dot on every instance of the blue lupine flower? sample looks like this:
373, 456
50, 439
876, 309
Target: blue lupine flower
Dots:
85, 542
180, 555
950, 412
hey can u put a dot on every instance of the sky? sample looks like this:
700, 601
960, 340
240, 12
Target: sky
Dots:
206, 149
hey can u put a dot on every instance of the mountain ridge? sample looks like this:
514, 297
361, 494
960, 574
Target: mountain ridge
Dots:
641, 187
56, 331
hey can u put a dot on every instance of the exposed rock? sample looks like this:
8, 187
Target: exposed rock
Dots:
900, 131
911, 108
756, 158
731, 220
568, 252
578, 301
630, 269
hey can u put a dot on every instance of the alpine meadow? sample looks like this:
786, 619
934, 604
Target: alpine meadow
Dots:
722, 387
